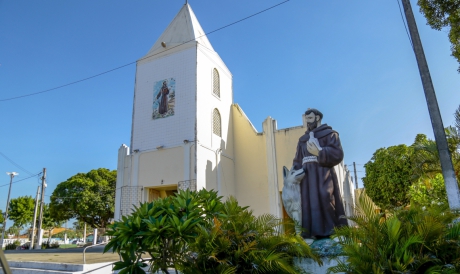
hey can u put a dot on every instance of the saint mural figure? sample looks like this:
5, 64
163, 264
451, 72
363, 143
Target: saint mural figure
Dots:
163, 105
318, 151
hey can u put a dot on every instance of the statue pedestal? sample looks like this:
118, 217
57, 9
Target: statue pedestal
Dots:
329, 251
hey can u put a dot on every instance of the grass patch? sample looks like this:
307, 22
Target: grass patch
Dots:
68, 246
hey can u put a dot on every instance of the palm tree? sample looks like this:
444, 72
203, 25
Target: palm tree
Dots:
426, 157
414, 240
457, 118
239, 242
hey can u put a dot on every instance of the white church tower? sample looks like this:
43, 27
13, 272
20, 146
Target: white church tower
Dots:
181, 124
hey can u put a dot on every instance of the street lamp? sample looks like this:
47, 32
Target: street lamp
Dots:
11, 174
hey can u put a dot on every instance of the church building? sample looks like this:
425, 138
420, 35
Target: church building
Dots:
187, 133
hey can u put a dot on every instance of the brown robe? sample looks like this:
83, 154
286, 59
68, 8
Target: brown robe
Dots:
320, 194
163, 105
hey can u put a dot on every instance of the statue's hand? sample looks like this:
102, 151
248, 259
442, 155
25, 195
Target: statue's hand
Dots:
312, 148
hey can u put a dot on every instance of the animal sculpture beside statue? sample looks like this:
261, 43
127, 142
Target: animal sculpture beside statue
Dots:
291, 195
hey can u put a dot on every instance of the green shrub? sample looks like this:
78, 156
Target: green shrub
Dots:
13, 245
414, 240
48, 245
162, 229
428, 191
239, 242
194, 232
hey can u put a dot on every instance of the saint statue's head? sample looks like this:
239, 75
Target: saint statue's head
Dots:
164, 83
313, 118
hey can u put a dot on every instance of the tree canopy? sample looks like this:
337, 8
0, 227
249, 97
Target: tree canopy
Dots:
88, 197
49, 222
392, 171
71, 234
1, 221
444, 14
389, 176
21, 210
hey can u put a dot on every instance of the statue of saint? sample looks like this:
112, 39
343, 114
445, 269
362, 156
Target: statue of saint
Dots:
318, 151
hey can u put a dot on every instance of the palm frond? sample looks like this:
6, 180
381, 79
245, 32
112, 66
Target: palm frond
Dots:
457, 118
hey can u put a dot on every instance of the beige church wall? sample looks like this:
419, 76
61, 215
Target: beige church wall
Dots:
148, 133
286, 144
161, 167
227, 158
227, 177
251, 173
127, 171
123, 175
192, 159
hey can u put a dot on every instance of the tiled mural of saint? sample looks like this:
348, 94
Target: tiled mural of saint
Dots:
164, 98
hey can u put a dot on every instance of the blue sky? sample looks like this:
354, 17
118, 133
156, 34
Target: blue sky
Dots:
350, 59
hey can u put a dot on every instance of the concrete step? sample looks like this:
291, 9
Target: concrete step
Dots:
15, 270
58, 268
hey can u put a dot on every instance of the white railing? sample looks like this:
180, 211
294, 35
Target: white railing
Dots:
90, 246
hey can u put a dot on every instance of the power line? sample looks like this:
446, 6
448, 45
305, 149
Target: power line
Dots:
17, 165
130, 63
78, 197
38, 174
404, 23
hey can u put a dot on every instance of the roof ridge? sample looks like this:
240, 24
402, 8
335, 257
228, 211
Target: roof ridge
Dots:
182, 29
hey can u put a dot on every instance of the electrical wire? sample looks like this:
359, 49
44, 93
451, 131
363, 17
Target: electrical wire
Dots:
22, 179
17, 165
404, 23
76, 197
130, 63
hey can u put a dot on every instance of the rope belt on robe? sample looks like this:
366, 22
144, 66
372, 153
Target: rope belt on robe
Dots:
309, 159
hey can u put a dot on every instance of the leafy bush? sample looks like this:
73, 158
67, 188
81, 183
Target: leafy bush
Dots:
194, 232
389, 174
239, 242
161, 229
403, 241
428, 191
49, 245
13, 245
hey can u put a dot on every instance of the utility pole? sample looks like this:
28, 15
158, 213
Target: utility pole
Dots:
356, 177
448, 173
42, 205
11, 174
34, 224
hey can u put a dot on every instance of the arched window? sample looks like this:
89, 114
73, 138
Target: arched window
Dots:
215, 83
216, 123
